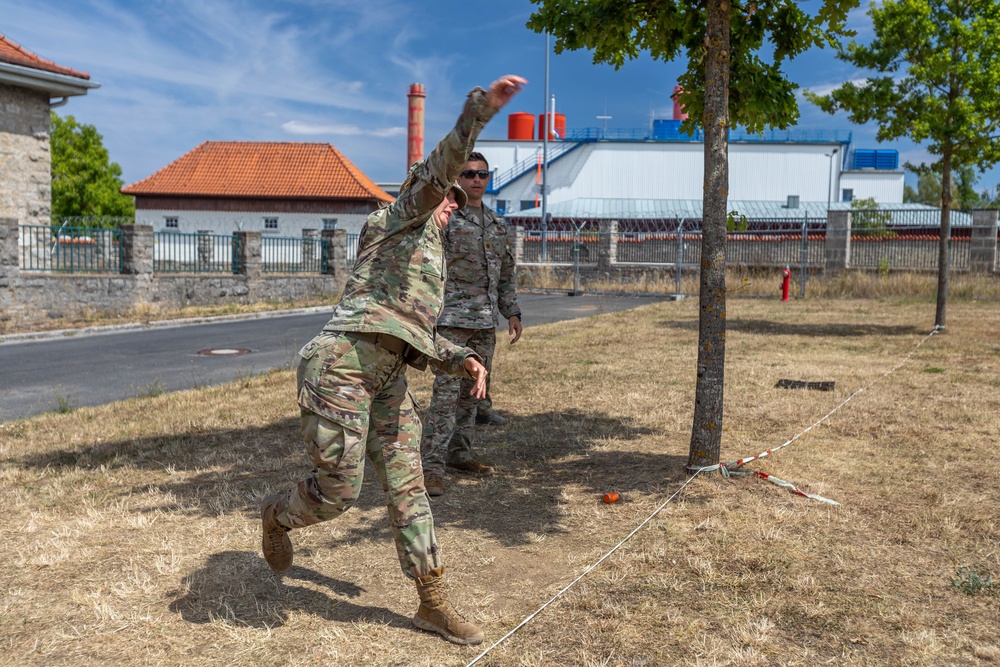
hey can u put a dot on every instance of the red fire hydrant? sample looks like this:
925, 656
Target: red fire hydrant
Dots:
786, 279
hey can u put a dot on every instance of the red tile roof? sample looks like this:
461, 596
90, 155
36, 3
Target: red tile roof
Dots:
284, 170
13, 53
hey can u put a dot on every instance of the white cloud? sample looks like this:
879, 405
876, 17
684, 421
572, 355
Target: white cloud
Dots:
301, 127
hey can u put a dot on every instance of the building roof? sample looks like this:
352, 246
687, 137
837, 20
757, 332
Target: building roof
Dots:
14, 54
261, 169
672, 209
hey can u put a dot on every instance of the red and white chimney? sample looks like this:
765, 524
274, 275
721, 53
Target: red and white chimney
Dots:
415, 125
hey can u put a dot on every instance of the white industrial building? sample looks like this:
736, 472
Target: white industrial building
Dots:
819, 167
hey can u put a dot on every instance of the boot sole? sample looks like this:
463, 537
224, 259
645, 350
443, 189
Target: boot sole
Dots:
454, 639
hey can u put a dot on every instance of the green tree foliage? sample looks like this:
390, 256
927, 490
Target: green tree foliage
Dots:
936, 67
867, 219
735, 50
84, 181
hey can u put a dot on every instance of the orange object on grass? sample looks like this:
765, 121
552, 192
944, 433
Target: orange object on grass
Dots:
611, 497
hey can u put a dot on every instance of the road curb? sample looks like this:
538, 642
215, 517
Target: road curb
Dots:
155, 324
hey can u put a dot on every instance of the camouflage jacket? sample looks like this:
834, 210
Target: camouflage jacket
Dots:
481, 274
397, 284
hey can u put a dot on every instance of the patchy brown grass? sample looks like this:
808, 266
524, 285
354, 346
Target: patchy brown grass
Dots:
132, 532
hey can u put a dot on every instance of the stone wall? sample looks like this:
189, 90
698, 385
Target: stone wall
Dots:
32, 297
25, 159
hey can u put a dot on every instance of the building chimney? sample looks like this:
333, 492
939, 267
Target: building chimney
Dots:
415, 125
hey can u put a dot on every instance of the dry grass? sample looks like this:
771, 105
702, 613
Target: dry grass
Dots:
743, 281
134, 540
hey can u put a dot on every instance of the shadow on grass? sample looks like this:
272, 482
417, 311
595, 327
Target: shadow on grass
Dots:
838, 329
538, 456
238, 588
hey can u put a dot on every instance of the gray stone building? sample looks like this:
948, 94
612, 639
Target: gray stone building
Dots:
30, 86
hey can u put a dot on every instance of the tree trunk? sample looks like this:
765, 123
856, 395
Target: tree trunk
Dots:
706, 432
944, 257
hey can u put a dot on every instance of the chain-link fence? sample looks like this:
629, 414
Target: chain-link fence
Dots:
664, 255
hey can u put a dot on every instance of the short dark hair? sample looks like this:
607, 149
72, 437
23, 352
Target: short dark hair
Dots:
478, 157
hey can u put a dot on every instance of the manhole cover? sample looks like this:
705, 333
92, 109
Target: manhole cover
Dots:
223, 351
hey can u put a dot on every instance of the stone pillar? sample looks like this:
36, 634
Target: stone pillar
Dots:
9, 246
518, 245
838, 241
336, 252
983, 251
137, 249
607, 248
204, 249
310, 246
249, 254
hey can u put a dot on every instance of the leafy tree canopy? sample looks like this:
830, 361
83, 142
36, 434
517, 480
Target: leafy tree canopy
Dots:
936, 70
84, 181
763, 35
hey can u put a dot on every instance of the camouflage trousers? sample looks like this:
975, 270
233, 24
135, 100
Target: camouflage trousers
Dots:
451, 418
355, 401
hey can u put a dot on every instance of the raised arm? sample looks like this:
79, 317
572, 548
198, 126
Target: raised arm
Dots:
429, 181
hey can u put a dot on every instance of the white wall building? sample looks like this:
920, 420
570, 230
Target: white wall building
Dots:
821, 167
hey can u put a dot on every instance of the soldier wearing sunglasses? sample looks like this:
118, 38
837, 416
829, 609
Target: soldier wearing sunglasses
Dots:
480, 284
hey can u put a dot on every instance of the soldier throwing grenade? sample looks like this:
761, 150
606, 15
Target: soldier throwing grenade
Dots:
352, 376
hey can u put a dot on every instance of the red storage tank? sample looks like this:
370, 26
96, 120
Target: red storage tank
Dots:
560, 123
521, 126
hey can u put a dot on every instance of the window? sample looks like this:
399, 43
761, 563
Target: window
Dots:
501, 206
170, 222
270, 224
329, 223
527, 203
847, 194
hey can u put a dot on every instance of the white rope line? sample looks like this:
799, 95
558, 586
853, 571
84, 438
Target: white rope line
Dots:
724, 467
582, 575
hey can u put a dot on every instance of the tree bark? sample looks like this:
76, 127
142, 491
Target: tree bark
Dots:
706, 432
944, 257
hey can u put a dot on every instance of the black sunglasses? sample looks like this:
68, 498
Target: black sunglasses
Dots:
472, 173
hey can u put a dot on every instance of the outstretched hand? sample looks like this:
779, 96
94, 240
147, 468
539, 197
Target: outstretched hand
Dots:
503, 89
477, 371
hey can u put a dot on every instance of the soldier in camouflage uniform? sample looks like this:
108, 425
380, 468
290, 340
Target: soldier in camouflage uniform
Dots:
352, 377
481, 282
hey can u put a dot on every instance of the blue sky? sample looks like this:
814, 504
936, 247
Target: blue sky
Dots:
174, 73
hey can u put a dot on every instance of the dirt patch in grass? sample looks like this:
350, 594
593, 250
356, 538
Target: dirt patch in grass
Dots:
133, 534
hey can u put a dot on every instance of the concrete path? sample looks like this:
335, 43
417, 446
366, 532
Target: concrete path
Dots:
47, 371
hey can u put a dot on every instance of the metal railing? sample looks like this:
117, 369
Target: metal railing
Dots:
182, 252
352, 249
71, 249
301, 254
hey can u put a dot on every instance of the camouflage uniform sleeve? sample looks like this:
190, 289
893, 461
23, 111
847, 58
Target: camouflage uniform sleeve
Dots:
451, 357
507, 287
428, 183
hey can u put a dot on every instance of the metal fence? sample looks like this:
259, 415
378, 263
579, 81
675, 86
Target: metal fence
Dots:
302, 254
71, 249
658, 255
352, 249
181, 252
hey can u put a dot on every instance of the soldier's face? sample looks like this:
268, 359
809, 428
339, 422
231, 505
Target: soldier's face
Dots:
475, 187
444, 209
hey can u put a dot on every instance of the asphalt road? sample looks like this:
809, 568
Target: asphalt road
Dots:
103, 365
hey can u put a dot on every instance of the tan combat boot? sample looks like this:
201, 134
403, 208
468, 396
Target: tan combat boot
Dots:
275, 544
434, 484
437, 614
